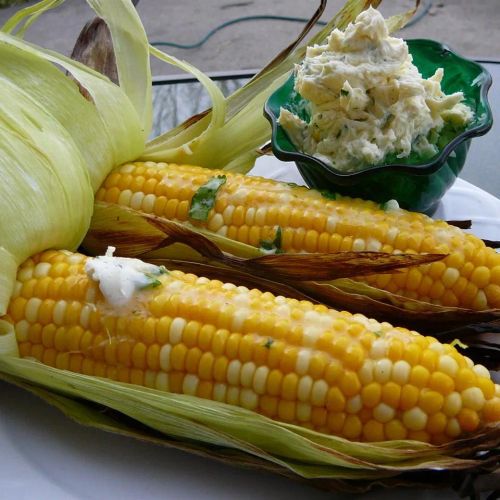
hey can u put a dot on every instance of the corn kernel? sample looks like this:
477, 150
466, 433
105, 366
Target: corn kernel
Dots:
415, 419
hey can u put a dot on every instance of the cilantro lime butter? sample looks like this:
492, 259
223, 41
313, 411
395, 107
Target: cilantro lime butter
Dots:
367, 100
120, 277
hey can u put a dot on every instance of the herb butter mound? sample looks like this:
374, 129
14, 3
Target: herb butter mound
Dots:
367, 100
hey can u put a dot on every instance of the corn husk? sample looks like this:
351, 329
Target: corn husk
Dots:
222, 430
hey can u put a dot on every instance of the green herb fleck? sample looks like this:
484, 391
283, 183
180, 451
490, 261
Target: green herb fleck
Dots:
344, 92
274, 245
292, 184
339, 133
387, 120
329, 195
378, 334
153, 281
204, 198
268, 343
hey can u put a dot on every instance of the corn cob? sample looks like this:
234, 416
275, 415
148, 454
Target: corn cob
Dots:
250, 209
290, 360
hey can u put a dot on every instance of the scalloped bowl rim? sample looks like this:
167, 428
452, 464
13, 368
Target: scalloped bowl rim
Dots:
417, 168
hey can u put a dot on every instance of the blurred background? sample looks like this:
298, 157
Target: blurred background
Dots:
223, 39
469, 27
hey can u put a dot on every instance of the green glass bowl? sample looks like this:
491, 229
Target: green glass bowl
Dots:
415, 183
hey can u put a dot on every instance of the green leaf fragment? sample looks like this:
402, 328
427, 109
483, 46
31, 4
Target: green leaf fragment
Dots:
154, 282
269, 342
274, 245
162, 270
329, 195
204, 198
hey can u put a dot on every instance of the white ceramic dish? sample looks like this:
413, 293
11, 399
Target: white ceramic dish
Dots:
44, 455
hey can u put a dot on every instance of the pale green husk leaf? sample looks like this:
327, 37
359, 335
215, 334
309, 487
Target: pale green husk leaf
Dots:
307, 453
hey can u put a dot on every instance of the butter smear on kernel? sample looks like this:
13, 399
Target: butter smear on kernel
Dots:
366, 99
121, 277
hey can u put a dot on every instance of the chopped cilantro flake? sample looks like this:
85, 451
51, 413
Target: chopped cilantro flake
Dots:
269, 342
274, 245
204, 198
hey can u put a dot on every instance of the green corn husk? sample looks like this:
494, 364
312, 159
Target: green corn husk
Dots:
228, 433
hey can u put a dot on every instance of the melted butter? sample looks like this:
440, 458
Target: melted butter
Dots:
120, 278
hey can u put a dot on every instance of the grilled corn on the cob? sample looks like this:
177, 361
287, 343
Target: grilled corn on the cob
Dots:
250, 209
290, 360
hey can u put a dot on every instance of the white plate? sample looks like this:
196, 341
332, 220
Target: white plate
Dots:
44, 455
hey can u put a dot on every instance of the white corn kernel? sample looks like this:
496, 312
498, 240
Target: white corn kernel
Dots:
148, 203
165, 357
304, 388
219, 392
365, 373
448, 365
354, 404
481, 371
128, 168
248, 399
452, 404
260, 216
125, 197
176, 329
450, 277
303, 412
401, 372
58, 312
319, 392
215, 222
379, 349
31, 310
161, 382
415, 419
247, 373
250, 216
473, 398
303, 360
233, 372
358, 245
85, 316
383, 413
190, 384
22, 330
42, 269
25, 274
437, 347
260, 379
373, 245
383, 370
232, 395
136, 200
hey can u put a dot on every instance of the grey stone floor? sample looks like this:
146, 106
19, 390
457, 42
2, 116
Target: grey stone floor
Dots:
470, 27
